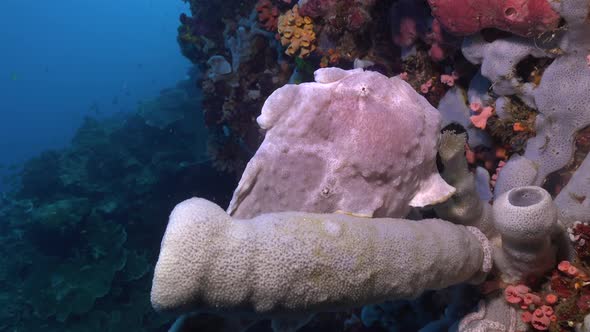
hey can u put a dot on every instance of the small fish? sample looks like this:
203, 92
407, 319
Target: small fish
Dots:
115, 100
14, 76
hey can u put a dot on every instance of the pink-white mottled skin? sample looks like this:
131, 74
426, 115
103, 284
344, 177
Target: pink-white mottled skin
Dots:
353, 141
521, 17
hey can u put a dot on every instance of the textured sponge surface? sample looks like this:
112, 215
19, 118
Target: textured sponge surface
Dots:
295, 262
525, 214
355, 141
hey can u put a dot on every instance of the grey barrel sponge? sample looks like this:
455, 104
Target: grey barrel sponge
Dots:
526, 218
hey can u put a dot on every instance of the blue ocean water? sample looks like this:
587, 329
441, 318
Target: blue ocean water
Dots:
64, 60
73, 78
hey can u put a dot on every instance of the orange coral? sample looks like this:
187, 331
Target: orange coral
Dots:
480, 120
297, 32
519, 126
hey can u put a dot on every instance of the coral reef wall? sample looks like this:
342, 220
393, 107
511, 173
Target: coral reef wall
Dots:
511, 75
80, 234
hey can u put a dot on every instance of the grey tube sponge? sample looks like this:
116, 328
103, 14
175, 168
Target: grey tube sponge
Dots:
295, 262
526, 219
465, 207
493, 314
